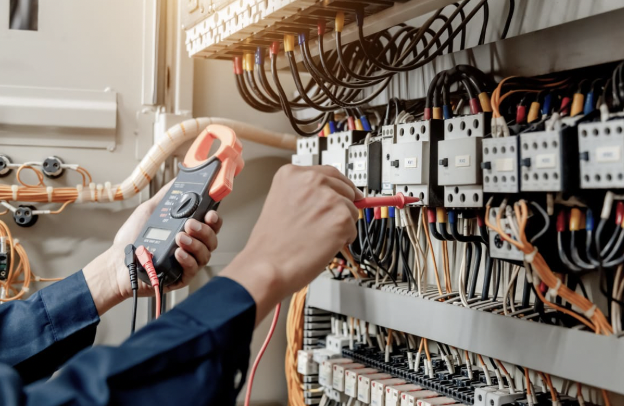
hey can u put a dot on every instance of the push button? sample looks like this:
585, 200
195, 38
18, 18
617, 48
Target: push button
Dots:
186, 206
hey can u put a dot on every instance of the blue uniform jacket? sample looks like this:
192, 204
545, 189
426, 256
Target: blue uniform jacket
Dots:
196, 354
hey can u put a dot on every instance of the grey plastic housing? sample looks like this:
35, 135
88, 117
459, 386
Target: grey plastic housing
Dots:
601, 154
500, 165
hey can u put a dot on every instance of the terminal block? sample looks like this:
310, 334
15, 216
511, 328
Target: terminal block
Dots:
309, 151
545, 164
337, 148
388, 137
459, 160
412, 170
500, 165
601, 145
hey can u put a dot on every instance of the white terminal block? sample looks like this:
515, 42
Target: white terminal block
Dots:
378, 390
309, 151
357, 170
336, 343
394, 393
500, 165
322, 354
388, 137
436, 401
364, 386
351, 380
338, 378
305, 363
414, 397
492, 396
326, 370
335, 395
337, 147
541, 162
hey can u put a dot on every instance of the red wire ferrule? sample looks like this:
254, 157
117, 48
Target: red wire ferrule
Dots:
474, 106
427, 113
431, 216
145, 259
520, 114
275, 46
377, 212
561, 221
238, 65
619, 213
480, 220
321, 27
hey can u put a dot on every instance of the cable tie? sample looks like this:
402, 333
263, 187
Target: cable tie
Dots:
531, 256
16, 241
109, 191
590, 313
100, 188
553, 292
14, 189
25, 289
13, 165
50, 191
79, 189
70, 166
37, 278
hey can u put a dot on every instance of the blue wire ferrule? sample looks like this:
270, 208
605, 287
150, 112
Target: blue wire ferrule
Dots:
546, 105
369, 214
589, 220
365, 123
302, 38
589, 103
391, 212
332, 126
447, 112
259, 56
452, 216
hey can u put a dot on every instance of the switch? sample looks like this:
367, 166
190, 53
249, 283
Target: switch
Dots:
186, 207
584, 156
443, 162
486, 165
526, 162
350, 166
395, 163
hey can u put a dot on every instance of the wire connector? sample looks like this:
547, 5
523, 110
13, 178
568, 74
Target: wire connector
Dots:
145, 259
131, 263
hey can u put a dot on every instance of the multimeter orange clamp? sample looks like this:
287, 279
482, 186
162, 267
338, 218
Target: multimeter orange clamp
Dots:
199, 187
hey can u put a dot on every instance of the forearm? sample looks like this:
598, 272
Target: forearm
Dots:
100, 277
259, 278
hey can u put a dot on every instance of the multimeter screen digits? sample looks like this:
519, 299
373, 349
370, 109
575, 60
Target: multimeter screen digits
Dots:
186, 198
157, 234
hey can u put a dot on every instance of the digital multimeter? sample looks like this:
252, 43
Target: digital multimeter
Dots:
199, 187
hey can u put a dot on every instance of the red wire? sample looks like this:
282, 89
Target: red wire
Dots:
157, 292
267, 340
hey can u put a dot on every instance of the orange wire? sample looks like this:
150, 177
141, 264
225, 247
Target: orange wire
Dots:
435, 266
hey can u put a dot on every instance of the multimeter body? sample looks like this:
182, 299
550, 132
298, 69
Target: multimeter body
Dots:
198, 188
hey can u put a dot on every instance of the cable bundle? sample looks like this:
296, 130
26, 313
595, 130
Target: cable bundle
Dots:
294, 338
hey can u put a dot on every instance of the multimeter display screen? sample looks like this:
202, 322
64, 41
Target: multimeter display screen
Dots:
157, 234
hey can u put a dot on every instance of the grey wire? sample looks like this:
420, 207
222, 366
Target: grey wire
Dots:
546, 221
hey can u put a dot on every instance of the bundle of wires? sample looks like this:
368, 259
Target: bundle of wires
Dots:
294, 343
338, 81
18, 271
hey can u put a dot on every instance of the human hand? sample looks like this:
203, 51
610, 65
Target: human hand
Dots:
107, 276
307, 218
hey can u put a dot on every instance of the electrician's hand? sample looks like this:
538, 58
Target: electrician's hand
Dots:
307, 218
108, 276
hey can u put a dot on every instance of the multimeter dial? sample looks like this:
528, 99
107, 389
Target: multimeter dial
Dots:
186, 206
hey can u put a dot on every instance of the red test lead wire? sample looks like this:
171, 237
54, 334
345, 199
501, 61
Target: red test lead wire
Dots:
145, 259
267, 340
398, 201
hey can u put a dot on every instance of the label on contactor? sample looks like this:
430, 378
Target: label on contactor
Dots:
608, 154
359, 166
462, 160
504, 165
410, 163
545, 161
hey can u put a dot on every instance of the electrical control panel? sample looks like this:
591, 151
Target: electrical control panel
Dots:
309, 151
459, 160
544, 160
601, 154
412, 170
336, 154
500, 165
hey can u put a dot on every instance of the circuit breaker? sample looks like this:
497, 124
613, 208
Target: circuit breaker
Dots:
601, 147
309, 151
412, 170
500, 165
388, 136
544, 160
363, 167
459, 160
336, 154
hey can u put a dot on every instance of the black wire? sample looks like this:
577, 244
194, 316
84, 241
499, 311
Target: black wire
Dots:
510, 13
486, 17
134, 311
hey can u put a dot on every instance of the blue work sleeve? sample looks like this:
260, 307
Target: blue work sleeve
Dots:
40, 334
196, 354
